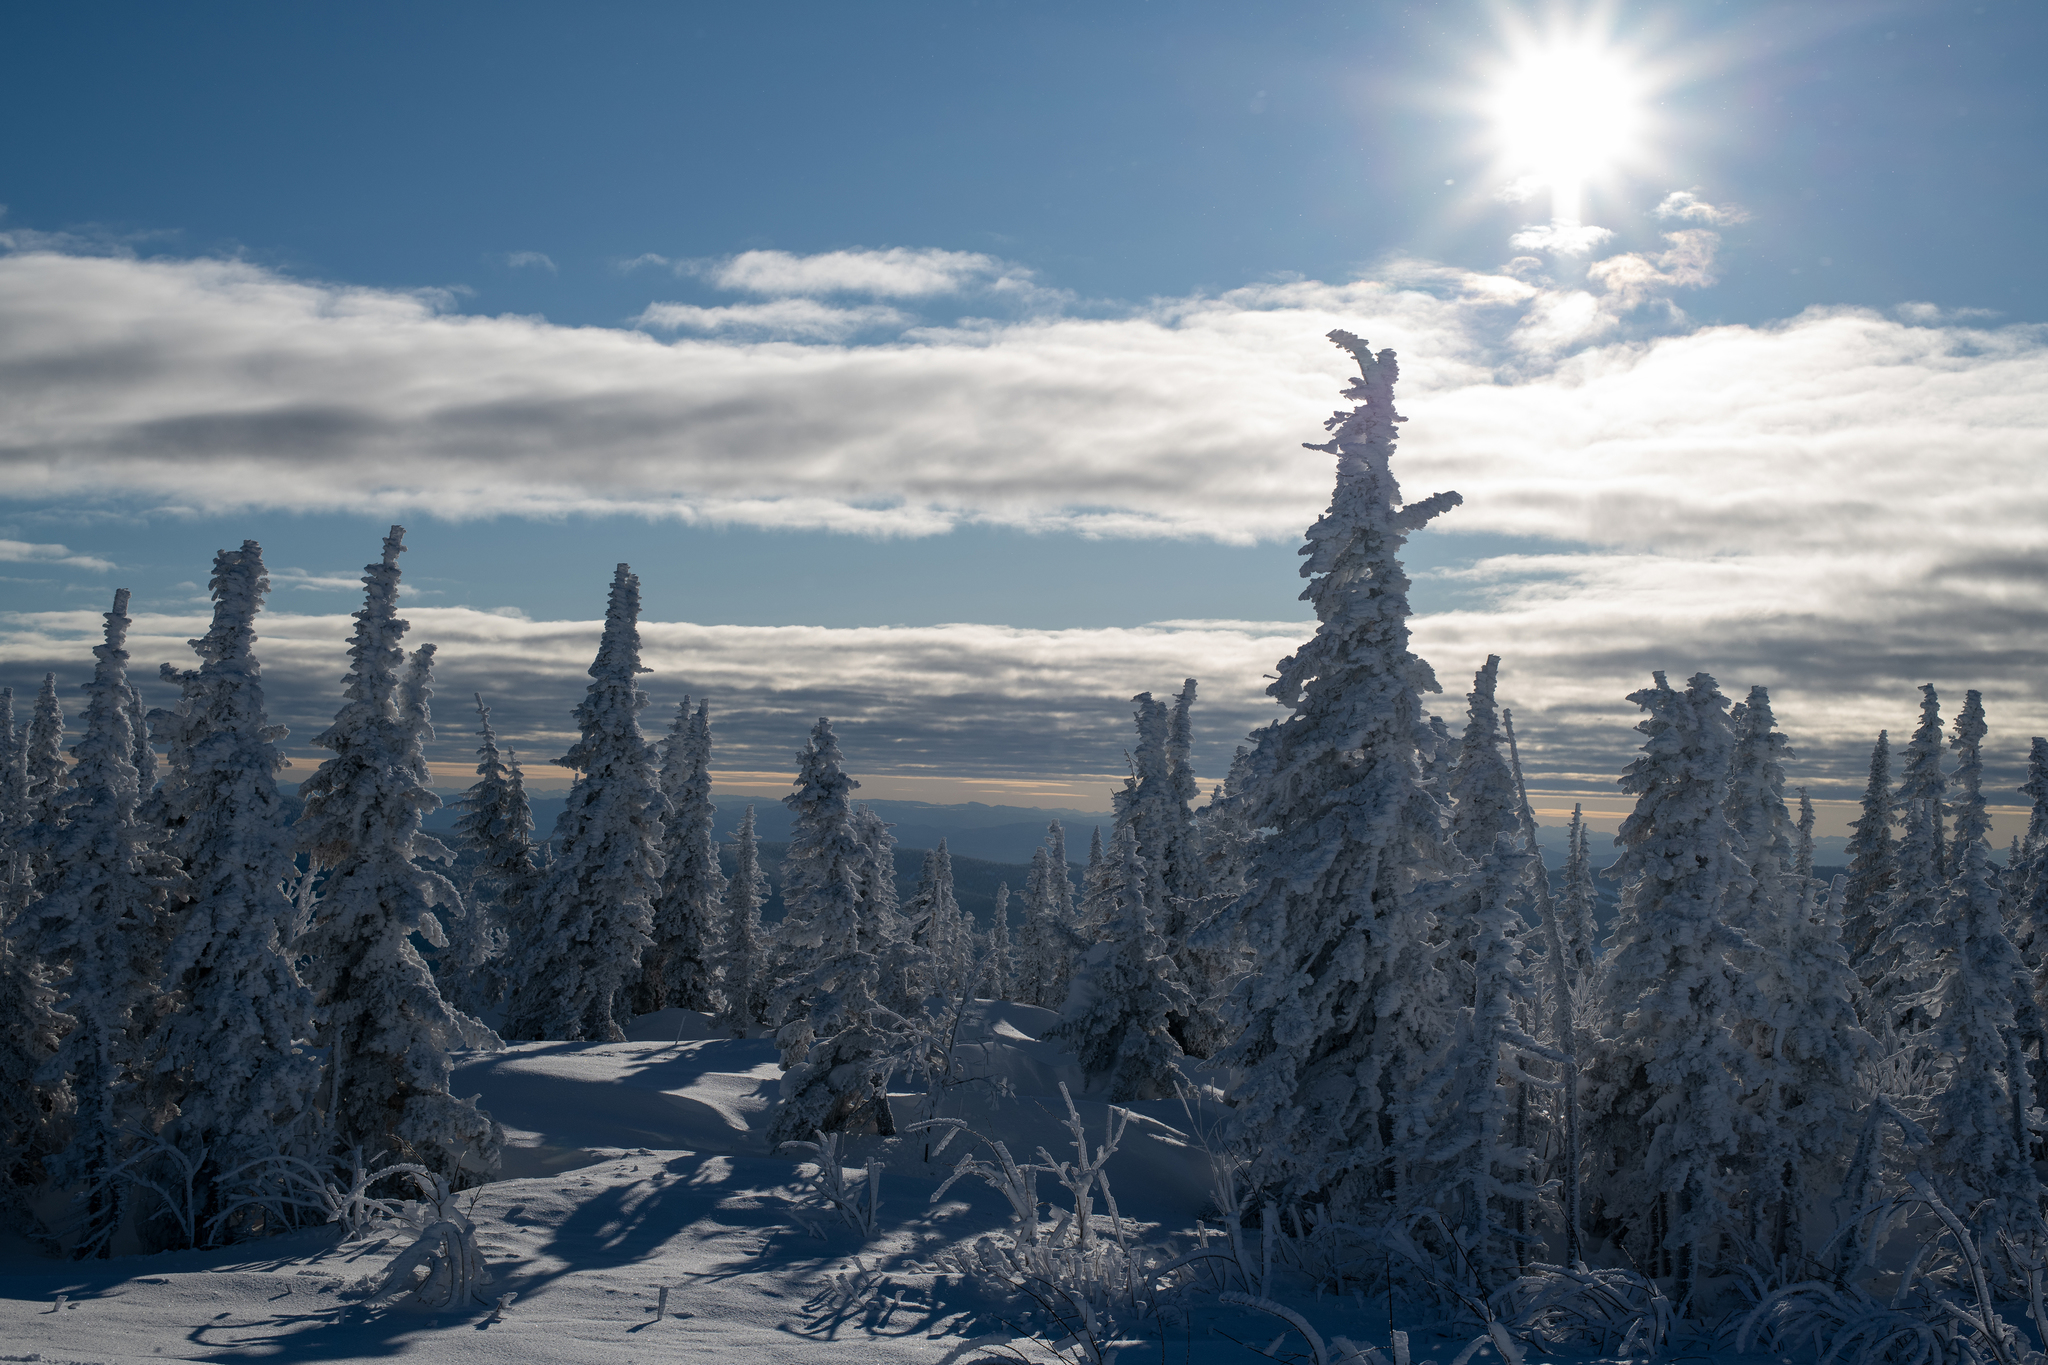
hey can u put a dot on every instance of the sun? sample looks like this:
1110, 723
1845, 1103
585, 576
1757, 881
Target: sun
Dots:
1567, 110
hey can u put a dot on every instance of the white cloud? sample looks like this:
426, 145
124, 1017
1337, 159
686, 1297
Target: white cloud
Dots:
978, 700
538, 259
1841, 504
1561, 237
28, 552
785, 319
1688, 207
899, 272
1932, 315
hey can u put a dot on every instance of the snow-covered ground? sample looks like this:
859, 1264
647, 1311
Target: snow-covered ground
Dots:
637, 1166
629, 1167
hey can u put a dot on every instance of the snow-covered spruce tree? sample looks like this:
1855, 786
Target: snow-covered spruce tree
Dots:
1477, 1161
1564, 1041
1803, 1030
903, 963
30, 1110
386, 1028
1031, 959
47, 772
1666, 1109
1329, 1021
496, 825
1052, 940
996, 973
1808, 1095
1207, 966
16, 814
1912, 915
1125, 992
575, 981
1183, 873
228, 1064
1095, 907
1482, 794
2026, 892
1577, 927
1756, 808
743, 985
1145, 801
100, 923
837, 1041
1477, 1157
1873, 873
938, 928
1981, 1142
746, 984
1802, 852
681, 967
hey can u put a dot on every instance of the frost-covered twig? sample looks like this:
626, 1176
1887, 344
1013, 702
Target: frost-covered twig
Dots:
830, 1188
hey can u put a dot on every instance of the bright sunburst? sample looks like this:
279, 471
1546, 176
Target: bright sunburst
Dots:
1567, 110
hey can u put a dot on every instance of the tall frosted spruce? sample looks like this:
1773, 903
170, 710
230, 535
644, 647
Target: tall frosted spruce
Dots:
1578, 930
496, 825
43, 756
996, 972
743, 985
1669, 1079
1477, 1155
29, 1025
1873, 873
1912, 914
1981, 1141
939, 928
838, 1040
380, 1016
229, 1059
597, 905
680, 967
100, 924
903, 961
1328, 1023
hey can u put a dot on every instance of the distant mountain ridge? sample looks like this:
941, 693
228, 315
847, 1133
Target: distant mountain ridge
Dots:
1001, 834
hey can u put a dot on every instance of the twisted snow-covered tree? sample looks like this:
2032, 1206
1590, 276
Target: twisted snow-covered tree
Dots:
1668, 1083
386, 1028
838, 1041
228, 1063
1328, 1023
575, 980
30, 1109
100, 923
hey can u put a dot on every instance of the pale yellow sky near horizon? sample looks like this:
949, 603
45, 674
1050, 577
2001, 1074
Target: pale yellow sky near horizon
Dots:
1604, 810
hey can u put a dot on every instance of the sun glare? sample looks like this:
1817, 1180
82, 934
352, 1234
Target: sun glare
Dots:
1567, 113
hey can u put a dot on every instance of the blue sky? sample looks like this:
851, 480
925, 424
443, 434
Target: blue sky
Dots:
1007, 316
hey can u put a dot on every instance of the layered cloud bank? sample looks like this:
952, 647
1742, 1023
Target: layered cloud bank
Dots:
909, 703
1840, 506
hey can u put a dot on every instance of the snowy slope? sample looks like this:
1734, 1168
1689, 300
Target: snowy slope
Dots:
634, 1166
629, 1166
